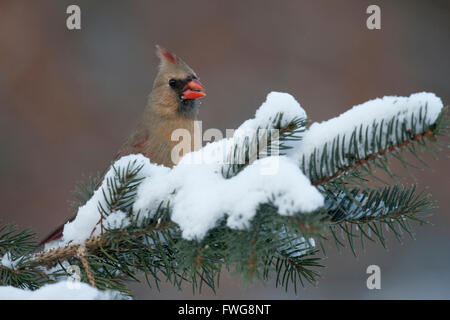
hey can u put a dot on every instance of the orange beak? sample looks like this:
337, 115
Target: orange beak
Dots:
193, 90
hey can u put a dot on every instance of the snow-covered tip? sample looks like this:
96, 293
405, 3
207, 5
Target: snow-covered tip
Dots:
418, 108
276, 103
63, 290
86, 223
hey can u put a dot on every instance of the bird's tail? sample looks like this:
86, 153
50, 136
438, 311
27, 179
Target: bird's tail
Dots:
57, 234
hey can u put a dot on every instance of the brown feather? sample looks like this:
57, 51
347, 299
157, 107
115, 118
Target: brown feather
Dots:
152, 136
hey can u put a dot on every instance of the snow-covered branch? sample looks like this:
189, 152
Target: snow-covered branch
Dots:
200, 196
257, 201
365, 133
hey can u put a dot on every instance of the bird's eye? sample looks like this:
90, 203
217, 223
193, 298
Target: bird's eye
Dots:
172, 83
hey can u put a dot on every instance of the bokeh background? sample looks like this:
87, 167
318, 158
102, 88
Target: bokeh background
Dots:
68, 99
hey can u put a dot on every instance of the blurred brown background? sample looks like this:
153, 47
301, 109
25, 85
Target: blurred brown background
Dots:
68, 99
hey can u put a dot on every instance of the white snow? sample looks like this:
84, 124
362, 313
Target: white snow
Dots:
8, 262
320, 134
116, 220
63, 290
221, 151
203, 196
88, 215
199, 194
276, 102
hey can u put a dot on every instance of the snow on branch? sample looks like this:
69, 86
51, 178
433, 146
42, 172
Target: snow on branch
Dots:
198, 192
107, 202
200, 196
366, 132
63, 290
257, 201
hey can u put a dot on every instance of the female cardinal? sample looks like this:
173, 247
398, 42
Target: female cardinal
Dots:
172, 105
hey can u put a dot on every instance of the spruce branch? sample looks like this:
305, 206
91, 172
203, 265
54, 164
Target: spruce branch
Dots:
264, 141
15, 249
270, 244
14, 242
368, 212
388, 202
291, 270
373, 145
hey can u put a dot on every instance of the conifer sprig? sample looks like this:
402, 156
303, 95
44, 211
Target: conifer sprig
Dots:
369, 214
272, 246
271, 140
373, 145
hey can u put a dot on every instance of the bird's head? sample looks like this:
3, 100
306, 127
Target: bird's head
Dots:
176, 89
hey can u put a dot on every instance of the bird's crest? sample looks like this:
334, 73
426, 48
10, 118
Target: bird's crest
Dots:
165, 54
170, 63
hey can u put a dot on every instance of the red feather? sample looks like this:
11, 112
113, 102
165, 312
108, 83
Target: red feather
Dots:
166, 53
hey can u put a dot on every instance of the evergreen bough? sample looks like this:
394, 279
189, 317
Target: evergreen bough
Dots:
274, 246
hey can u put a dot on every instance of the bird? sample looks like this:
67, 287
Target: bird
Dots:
172, 104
